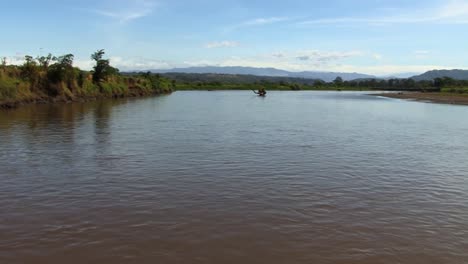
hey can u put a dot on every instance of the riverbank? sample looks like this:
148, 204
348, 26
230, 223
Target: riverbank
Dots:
51, 79
14, 103
440, 98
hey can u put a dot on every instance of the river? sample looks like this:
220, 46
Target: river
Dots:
229, 177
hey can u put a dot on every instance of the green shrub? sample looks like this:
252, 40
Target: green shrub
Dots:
8, 88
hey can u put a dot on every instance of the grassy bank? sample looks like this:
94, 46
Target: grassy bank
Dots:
54, 79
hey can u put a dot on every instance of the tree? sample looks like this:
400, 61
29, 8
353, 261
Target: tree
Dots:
97, 56
81, 79
295, 87
44, 61
3, 64
102, 69
439, 83
154, 79
29, 69
319, 83
66, 60
338, 81
449, 81
410, 84
62, 70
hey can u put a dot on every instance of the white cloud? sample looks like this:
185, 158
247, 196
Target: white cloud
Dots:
328, 61
126, 11
455, 8
139, 64
199, 63
315, 60
123, 16
295, 61
278, 55
222, 44
322, 57
17, 59
258, 22
421, 52
84, 64
377, 56
451, 12
126, 64
386, 70
264, 21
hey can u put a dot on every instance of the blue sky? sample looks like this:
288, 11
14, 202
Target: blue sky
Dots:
380, 37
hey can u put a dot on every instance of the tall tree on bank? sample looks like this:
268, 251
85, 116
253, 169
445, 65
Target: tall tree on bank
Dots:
102, 69
4, 63
61, 70
44, 61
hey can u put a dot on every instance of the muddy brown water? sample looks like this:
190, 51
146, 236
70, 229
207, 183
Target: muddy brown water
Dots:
227, 177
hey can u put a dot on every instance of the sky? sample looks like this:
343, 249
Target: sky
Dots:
380, 37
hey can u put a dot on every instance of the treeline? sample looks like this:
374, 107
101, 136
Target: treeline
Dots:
444, 84
194, 81
208, 81
54, 78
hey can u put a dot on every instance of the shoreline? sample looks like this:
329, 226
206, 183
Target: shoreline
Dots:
13, 104
438, 98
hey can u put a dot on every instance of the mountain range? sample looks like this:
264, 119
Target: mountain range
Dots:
272, 72
431, 75
325, 76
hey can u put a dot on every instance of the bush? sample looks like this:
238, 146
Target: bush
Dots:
8, 88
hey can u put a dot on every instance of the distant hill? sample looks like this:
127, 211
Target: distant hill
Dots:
330, 76
403, 75
431, 75
233, 78
228, 70
272, 72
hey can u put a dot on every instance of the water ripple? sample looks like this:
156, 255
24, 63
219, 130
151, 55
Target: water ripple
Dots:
222, 177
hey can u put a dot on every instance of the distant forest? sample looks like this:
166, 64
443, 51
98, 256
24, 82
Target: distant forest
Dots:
194, 81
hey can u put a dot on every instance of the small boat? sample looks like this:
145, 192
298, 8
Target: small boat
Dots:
261, 92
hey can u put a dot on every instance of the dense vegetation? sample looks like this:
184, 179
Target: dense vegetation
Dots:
192, 81
50, 78
444, 84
